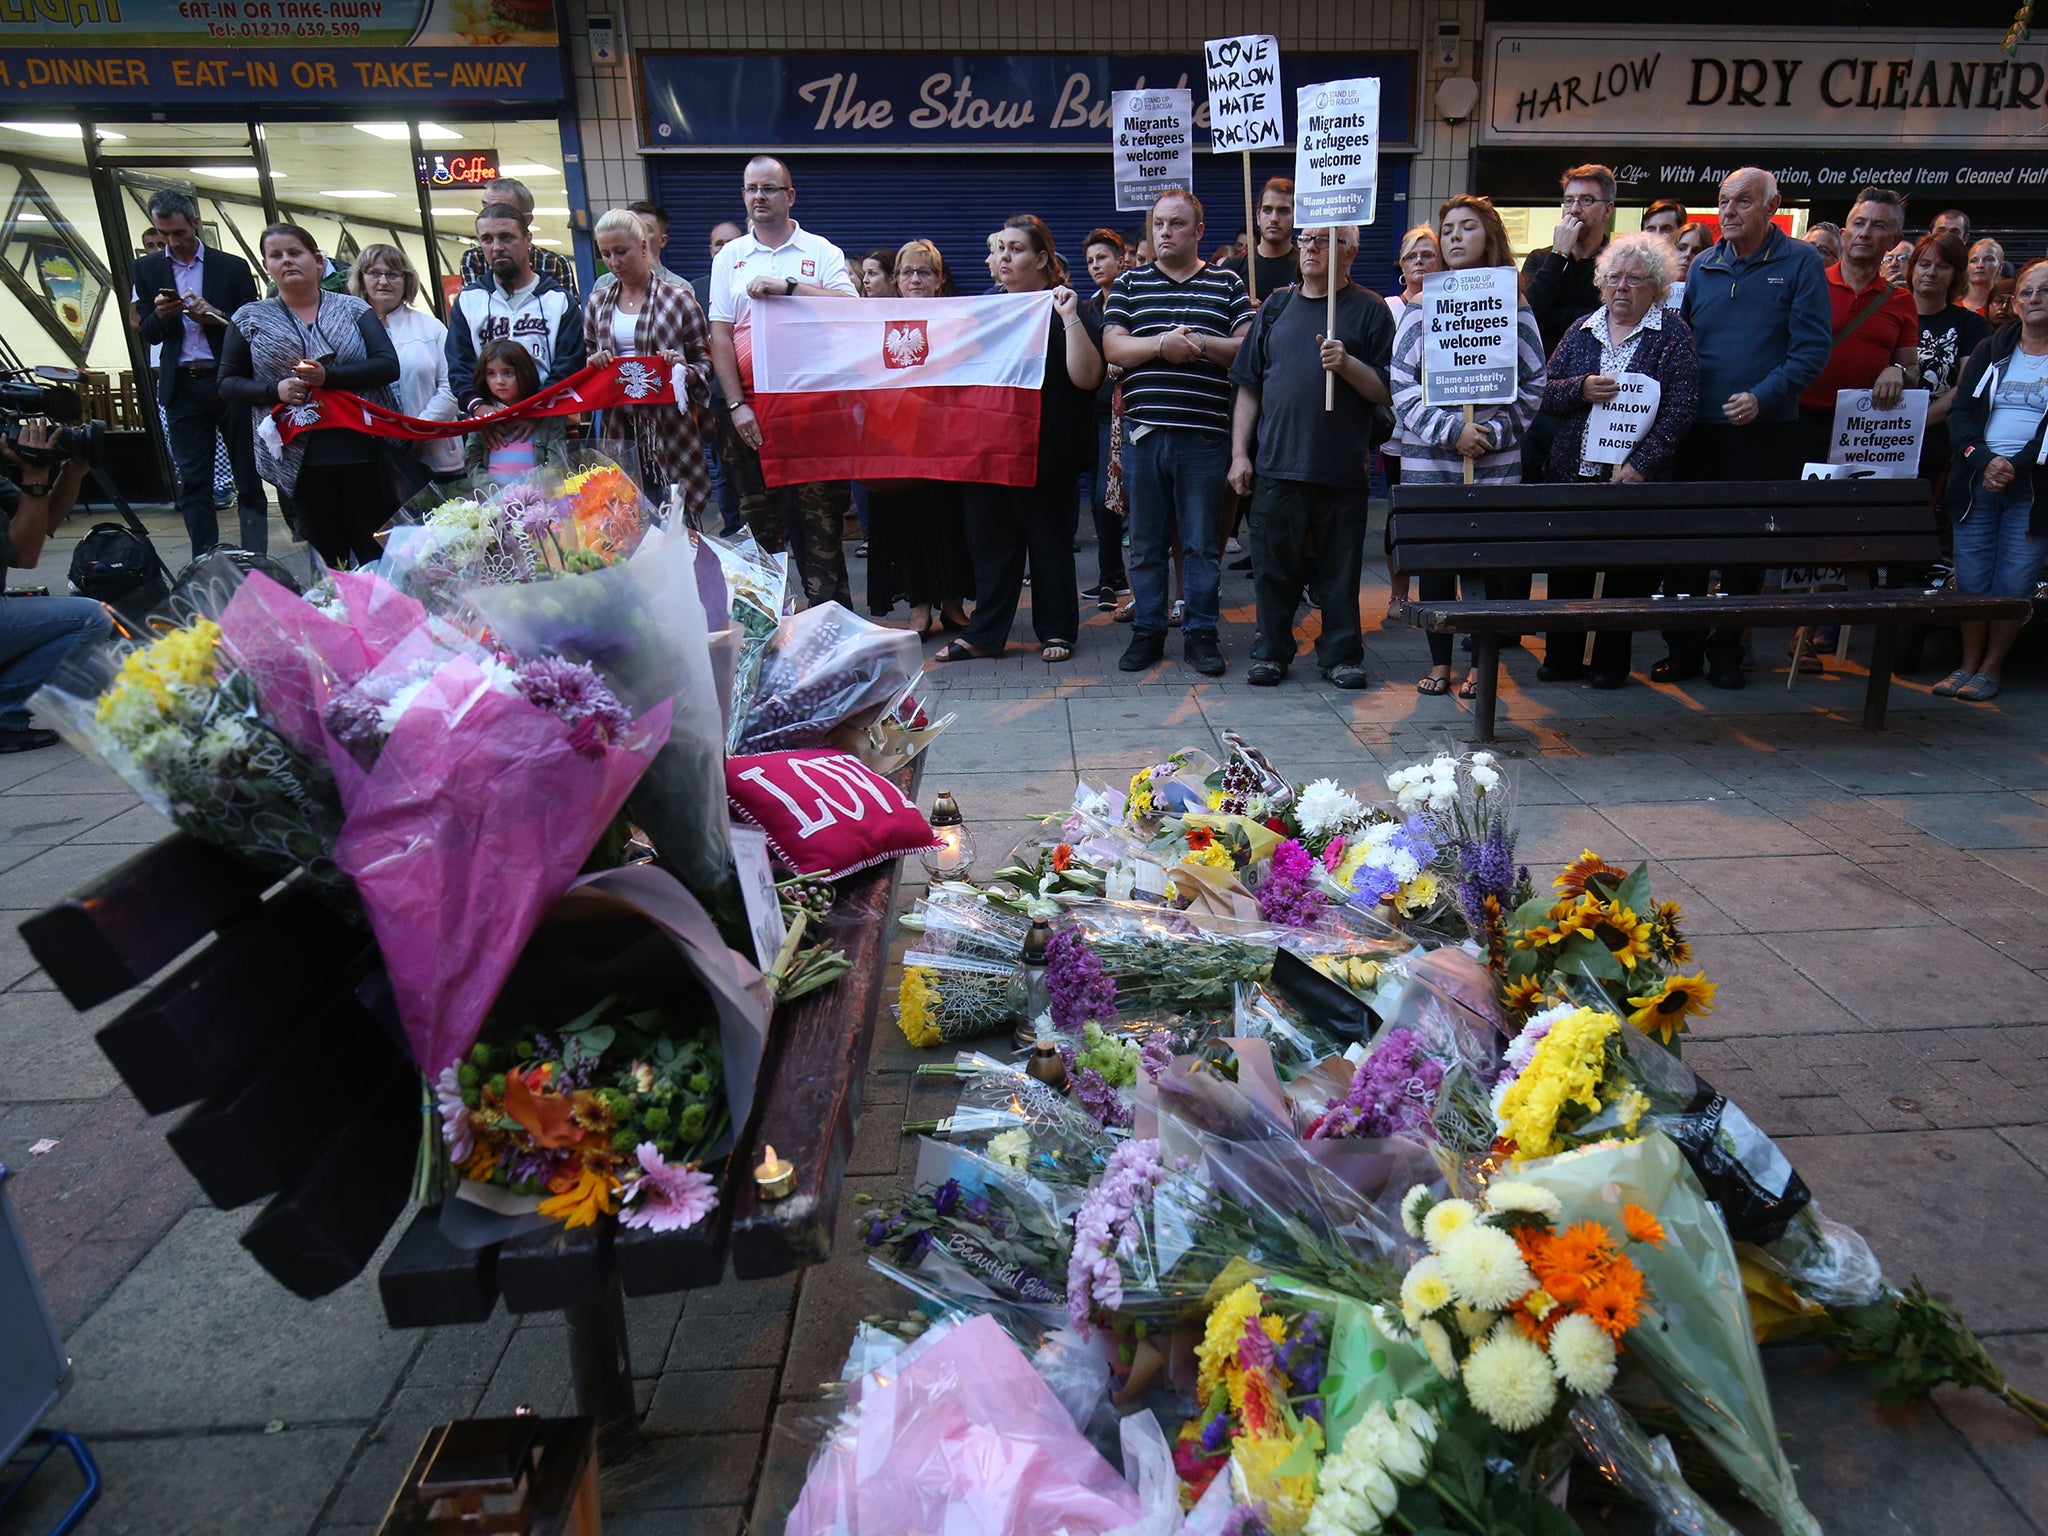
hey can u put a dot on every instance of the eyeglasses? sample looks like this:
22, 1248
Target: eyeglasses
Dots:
753, 190
903, 272
380, 275
1583, 202
1626, 280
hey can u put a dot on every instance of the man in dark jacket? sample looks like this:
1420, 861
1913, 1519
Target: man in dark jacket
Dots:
184, 296
1559, 278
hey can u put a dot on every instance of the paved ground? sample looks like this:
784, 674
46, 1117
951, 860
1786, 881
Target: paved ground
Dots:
1872, 906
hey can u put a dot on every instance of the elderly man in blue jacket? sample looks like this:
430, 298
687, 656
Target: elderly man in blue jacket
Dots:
1757, 302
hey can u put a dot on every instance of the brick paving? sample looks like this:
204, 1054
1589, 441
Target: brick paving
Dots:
1873, 906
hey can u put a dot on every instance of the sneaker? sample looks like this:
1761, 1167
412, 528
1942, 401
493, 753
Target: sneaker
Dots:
1094, 593
1232, 547
1113, 598
1266, 674
1146, 648
25, 738
1199, 650
1176, 613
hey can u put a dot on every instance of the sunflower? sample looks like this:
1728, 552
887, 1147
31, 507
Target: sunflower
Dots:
1579, 874
1522, 997
1626, 936
1672, 948
1663, 1013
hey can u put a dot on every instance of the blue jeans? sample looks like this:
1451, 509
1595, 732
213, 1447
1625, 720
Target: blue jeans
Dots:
1173, 481
1993, 551
37, 633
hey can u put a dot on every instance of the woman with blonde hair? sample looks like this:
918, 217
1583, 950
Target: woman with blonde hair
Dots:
1419, 257
384, 278
1985, 269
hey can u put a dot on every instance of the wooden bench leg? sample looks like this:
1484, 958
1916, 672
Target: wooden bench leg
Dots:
1883, 645
599, 1363
1486, 663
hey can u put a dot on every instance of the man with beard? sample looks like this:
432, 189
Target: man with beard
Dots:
517, 303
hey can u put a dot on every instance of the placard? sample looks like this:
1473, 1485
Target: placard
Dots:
1614, 428
757, 886
1675, 299
1336, 153
1469, 341
1152, 135
1244, 93
1887, 443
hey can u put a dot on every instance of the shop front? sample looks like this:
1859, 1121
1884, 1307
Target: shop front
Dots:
366, 121
1947, 120
891, 147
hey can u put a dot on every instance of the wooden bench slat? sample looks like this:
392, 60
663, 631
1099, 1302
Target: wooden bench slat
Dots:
141, 915
655, 1263
1663, 553
1775, 610
201, 1028
428, 1282
557, 1268
1664, 494
1636, 523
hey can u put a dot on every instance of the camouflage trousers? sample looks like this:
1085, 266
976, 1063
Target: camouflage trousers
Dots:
806, 518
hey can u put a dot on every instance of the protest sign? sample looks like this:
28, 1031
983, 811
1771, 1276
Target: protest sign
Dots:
1152, 134
1469, 341
1244, 94
1336, 153
1614, 428
1675, 299
1885, 442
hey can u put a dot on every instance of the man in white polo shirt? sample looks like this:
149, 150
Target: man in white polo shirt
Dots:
776, 259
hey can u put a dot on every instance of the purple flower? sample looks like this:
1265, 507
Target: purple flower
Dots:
1288, 895
1254, 1349
454, 1115
666, 1197
1082, 991
1245, 1520
1106, 1226
946, 1197
356, 720
1215, 1434
1392, 1094
572, 692
1155, 1056
1094, 1094
878, 1232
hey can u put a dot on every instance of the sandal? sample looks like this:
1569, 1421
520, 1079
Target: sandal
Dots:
1434, 687
1947, 687
1979, 689
1056, 650
1469, 689
960, 650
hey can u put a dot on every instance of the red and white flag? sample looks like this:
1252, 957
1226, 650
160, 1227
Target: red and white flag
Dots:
900, 389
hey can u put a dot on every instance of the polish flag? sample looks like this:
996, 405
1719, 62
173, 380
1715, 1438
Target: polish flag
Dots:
900, 389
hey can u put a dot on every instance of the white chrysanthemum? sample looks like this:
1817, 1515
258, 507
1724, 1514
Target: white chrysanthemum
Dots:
1473, 1322
1437, 1341
1325, 806
1518, 1195
1582, 1354
1424, 1290
1012, 1148
1444, 1218
1403, 865
1414, 1206
1484, 1266
1510, 1381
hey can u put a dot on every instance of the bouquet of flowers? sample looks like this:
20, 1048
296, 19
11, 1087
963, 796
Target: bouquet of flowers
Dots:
758, 589
823, 666
1117, 958
186, 727
956, 921
1030, 1126
1565, 1082
1605, 927
974, 1227
610, 1113
1174, 787
946, 998
1469, 804
1260, 1365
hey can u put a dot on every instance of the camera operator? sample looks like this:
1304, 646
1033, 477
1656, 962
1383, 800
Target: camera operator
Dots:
36, 633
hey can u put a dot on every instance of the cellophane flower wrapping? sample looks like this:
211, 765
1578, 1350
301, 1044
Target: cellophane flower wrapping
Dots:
823, 666
1698, 1348
189, 729
958, 1432
641, 625
758, 589
473, 819
1643, 1467
944, 999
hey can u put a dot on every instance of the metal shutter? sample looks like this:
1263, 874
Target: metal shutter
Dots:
860, 202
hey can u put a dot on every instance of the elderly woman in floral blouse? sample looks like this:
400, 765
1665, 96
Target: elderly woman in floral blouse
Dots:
1632, 332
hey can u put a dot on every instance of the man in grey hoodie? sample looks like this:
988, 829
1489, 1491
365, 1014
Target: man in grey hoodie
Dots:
1757, 301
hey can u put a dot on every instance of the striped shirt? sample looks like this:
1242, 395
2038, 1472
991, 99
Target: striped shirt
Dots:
1146, 302
1428, 434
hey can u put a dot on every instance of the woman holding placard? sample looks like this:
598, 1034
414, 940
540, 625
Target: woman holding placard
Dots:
1996, 481
1631, 352
1449, 445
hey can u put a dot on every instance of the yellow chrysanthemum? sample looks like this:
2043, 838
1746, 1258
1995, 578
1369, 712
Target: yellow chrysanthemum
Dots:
1419, 894
1446, 1217
1567, 1068
1424, 1290
1220, 1337
171, 677
1663, 1013
914, 1005
1139, 799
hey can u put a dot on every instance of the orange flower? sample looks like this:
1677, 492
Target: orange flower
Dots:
1614, 1308
1062, 856
581, 1195
1200, 838
1577, 874
1568, 1286
1583, 1246
1642, 1226
545, 1116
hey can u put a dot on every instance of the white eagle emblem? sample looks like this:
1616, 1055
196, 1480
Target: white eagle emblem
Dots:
904, 344
637, 381
305, 414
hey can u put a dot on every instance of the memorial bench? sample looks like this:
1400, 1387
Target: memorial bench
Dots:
278, 1034
1860, 525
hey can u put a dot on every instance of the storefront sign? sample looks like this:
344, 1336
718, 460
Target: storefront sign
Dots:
292, 53
1823, 176
796, 102
1468, 338
1152, 140
1886, 443
1614, 428
478, 168
1722, 85
1337, 156
1244, 94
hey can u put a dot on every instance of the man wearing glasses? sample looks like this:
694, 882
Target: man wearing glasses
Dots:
1560, 278
777, 258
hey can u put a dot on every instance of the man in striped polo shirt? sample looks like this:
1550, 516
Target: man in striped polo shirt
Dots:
1174, 327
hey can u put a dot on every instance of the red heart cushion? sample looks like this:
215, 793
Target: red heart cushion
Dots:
826, 813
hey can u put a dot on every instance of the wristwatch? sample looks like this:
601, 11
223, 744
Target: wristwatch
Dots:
791, 288
37, 490
733, 405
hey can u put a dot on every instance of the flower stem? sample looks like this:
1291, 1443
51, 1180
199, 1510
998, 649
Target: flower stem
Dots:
1459, 1509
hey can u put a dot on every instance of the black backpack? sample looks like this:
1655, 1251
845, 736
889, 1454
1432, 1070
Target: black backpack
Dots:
117, 565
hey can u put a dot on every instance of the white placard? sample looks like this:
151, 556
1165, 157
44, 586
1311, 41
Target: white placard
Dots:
1336, 153
1244, 93
1675, 299
1887, 443
1614, 429
1469, 340
1152, 136
757, 886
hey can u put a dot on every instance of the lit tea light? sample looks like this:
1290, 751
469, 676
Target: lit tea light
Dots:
774, 1177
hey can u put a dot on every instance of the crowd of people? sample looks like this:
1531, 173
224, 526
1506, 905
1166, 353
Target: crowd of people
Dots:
1179, 409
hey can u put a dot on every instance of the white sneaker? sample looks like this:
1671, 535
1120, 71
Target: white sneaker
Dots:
1232, 547
1176, 614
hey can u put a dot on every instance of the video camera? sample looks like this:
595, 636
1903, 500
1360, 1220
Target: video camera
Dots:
48, 393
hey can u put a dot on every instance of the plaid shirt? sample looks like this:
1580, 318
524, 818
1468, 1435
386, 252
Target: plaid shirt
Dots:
670, 437
546, 262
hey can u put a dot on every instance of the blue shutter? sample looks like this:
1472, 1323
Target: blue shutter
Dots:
860, 202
